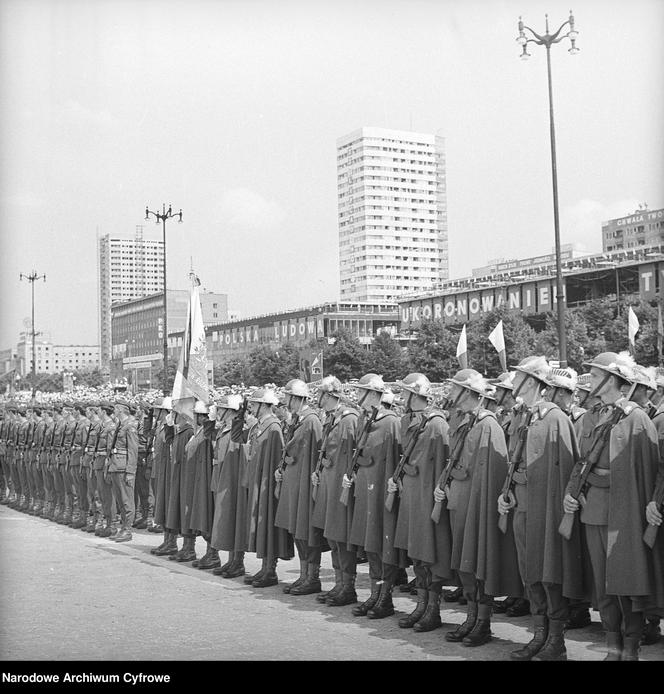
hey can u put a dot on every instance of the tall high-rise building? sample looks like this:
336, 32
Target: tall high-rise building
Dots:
128, 268
392, 200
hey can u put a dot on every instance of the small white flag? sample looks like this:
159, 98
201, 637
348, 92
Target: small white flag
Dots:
497, 339
462, 349
632, 325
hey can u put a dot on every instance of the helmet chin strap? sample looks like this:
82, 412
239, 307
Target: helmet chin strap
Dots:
594, 392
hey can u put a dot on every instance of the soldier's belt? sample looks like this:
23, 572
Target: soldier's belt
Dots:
519, 476
457, 473
599, 477
119, 452
411, 470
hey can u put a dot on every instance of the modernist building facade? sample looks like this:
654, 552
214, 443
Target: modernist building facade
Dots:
127, 268
297, 327
642, 228
50, 358
138, 330
392, 212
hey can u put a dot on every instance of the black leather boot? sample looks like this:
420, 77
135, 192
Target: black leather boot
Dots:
554, 648
384, 606
401, 578
453, 595
322, 598
481, 632
269, 577
614, 645
651, 631
188, 549
196, 563
422, 600
254, 577
408, 587
298, 581
630, 649
362, 609
210, 560
460, 633
311, 583
347, 594
579, 617
219, 571
154, 550
520, 608
540, 635
170, 548
430, 620
236, 568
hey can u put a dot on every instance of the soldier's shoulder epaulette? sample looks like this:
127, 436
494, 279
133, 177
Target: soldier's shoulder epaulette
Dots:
543, 408
576, 413
483, 414
385, 414
627, 406
348, 411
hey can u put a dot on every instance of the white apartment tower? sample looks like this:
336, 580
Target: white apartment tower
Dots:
128, 268
392, 201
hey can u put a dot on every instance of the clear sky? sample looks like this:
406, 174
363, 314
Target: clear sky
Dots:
231, 111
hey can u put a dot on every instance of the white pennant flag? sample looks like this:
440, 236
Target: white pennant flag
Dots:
632, 325
462, 349
497, 339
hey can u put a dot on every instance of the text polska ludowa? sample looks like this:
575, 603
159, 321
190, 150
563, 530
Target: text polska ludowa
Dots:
80, 677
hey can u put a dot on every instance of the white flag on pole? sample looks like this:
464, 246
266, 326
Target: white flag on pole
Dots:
632, 325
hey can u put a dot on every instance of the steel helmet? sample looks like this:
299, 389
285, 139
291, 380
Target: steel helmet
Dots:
167, 403
372, 381
417, 384
621, 365
233, 401
642, 376
266, 395
201, 408
387, 397
330, 384
472, 380
562, 378
505, 380
583, 382
537, 367
298, 387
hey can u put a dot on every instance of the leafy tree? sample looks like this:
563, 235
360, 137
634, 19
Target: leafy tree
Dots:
233, 371
166, 385
45, 382
387, 358
346, 358
92, 379
433, 352
278, 366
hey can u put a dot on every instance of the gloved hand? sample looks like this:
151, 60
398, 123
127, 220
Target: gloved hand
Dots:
346, 482
439, 494
129, 478
392, 487
315, 479
278, 475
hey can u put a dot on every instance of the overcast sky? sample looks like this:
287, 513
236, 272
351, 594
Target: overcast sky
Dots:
231, 111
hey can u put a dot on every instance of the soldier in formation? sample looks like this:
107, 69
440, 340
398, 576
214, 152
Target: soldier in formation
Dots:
538, 485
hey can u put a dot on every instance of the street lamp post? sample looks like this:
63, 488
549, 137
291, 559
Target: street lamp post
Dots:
547, 41
32, 278
162, 217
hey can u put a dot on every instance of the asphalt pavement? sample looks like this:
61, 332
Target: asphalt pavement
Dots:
69, 595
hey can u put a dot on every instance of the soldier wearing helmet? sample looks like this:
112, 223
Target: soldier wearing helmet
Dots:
229, 527
373, 526
483, 558
295, 501
100, 463
424, 432
562, 384
643, 387
94, 520
198, 508
122, 463
79, 482
329, 514
57, 464
43, 438
548, 564
162, 470
143, 496
620, 485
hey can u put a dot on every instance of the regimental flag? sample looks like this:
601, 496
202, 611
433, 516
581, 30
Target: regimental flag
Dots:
660, 331
497, 339
317, 366
191, 380
632, 326
462, 349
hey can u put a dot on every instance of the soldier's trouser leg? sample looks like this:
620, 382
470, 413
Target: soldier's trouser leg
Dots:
105, 491
82, 489
314, 551
90, 489
143, 492
48, 484
59, 486
123, 488
519, 525
375, 566
22, 483
423, 576
614, 611
347, 558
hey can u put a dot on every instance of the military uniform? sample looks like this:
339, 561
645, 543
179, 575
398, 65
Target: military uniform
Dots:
77, 471
37, 473
144, 497
122, 464
183, 431
103, 481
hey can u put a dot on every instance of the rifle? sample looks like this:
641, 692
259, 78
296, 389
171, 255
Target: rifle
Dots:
71, 443
403, 461
454, 458
329, 423
583, 468
282, 465
354, 465
87, 438
29, 436
62, 442
650, 533
517, 457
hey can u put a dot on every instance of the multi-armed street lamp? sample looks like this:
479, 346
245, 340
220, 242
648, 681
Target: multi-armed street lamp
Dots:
162, 217
32, 278
547, 41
